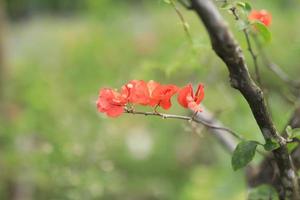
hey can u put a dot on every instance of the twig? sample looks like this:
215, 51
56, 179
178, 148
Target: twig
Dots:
186, 118
254, 58
274, 67
195, 118
183, 21
249, 48
227, 140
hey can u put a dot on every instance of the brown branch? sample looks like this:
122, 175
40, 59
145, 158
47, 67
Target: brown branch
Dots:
267, 171
206, 119
230, 52
249, 47
227, 140
198, 120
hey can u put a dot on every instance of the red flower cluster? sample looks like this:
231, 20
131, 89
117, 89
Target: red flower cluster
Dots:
149, 93
261, 15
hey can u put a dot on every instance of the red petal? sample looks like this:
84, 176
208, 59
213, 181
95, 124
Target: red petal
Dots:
138, 92
199, 94
262, 15
165, 104
183, 93
111, 102
115, 111
102, 105
152, 85
163, 93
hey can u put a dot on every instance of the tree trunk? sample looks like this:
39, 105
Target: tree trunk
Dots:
227, 48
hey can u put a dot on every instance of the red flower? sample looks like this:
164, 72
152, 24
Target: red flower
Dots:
188, 99
151, 93
152, 85
162, 95
261, 15
137, 92
111, 102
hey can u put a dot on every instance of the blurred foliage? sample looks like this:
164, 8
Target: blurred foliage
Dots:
54, 144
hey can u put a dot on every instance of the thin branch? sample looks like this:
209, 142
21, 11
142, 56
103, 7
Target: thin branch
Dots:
206, 120
254, 57
274, 67
186, 118
183, 21
227, 140
249, 47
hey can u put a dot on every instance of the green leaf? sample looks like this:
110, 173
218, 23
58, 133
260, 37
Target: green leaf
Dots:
244, 5
271, 145
248, 7
296, 133
240, 4
263, 192
263, 31
292, 133
243, 154
167, 1
291, 146
289, 131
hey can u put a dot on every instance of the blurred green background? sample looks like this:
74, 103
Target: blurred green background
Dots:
56, 54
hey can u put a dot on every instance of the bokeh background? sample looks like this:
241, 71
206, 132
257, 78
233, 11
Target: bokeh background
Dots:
56, 54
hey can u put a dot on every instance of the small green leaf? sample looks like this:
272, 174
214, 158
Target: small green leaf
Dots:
248, 7
291, 146
243, 154
244, 6
241, 4
292, 133
167, 1
296, 133
289, 131
263, 31
263, 192
271, 145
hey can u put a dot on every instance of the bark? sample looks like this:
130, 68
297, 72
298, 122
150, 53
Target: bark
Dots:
226, 47
267, 171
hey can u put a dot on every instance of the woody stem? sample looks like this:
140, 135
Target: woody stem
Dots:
186, 118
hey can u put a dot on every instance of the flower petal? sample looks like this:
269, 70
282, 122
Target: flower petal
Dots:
183, 94
115, 111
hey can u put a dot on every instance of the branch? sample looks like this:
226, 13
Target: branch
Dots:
198, 120
274, 67
295, 123
249, 47
230, 52
183, 21
267, 171
227, 140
